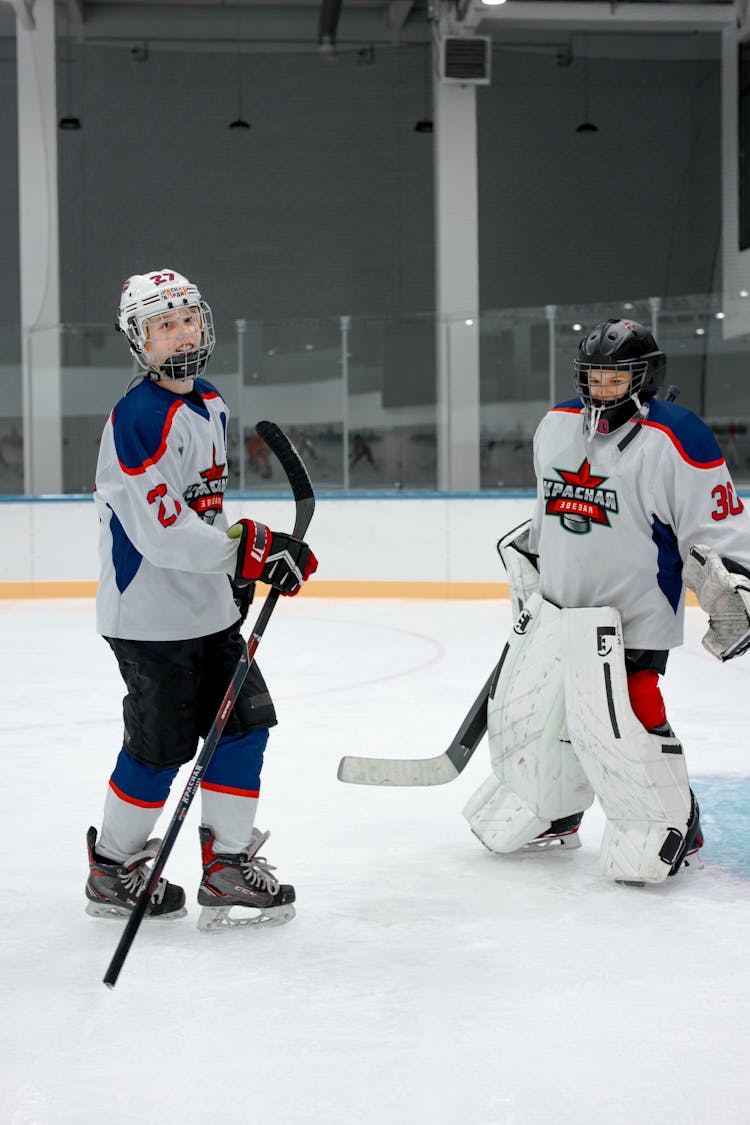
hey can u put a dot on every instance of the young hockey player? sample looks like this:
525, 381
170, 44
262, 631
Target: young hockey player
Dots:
166, 607
634, 500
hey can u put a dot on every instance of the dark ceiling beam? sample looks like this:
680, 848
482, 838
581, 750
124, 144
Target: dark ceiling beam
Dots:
24, 13
75, 12
398, 13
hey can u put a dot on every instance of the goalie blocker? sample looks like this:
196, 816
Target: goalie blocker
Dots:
562, 729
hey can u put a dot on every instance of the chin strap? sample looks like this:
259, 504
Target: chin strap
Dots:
621, 413
187, 366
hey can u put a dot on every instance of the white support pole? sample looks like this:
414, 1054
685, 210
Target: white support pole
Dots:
457, 285
39, 251
344, 324
735, 261
654, 303
550, 312
241, 327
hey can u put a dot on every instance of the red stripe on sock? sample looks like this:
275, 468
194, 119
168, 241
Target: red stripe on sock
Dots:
134, 800
230, 790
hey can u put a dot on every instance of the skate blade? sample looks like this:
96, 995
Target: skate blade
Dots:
215, 918
690, 865
570, 842
109, 910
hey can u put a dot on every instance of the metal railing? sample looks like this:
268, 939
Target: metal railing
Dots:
358, 394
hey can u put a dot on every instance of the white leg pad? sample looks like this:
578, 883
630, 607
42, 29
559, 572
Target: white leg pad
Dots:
500, 819
536, 777
640, 778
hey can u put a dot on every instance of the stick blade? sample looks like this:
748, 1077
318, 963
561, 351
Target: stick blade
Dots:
425, 771
291, 462
397, 771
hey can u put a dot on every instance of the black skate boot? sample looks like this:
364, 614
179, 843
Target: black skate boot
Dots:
241, 880
562, 833
113, 888
689, 854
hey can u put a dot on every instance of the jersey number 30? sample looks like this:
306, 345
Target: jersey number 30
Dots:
727, 504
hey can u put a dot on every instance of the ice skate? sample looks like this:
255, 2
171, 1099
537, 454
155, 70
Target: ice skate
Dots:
113, 888
692, 861
242, 880
561, 833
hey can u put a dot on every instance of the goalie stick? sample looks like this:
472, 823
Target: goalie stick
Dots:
304, 499
427, 771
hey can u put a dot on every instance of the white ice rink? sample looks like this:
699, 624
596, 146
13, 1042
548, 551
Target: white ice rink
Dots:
424, 981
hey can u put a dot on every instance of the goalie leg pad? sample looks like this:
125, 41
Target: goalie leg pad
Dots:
639, 777
536, 776
500, 819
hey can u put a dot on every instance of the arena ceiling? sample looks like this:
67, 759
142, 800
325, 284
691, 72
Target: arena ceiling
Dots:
316, 24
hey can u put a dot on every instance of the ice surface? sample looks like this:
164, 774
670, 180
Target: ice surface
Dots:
424, 980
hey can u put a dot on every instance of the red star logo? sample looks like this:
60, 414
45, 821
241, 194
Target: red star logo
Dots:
582, 477
216, 472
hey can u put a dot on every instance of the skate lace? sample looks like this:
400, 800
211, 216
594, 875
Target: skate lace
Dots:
256, 871
135, 878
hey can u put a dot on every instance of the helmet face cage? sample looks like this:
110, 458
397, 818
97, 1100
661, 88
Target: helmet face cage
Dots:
636, 369
171, 326
167, 299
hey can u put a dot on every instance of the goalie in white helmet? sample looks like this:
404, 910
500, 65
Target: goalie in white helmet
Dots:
172, 589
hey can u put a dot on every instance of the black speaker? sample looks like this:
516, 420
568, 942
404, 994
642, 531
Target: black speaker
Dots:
466, 60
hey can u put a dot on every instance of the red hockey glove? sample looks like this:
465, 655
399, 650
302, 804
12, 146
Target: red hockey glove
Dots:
275, 557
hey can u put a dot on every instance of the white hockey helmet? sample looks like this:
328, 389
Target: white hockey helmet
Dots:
149, 295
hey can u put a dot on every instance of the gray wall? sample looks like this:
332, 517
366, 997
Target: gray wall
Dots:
325, 206
630, 211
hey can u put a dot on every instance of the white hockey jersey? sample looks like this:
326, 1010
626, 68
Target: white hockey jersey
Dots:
163, 550
615, 515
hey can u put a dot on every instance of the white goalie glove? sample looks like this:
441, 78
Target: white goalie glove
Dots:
724, 596
519, 563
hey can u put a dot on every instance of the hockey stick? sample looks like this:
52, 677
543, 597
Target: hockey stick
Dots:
426, 771
304, 500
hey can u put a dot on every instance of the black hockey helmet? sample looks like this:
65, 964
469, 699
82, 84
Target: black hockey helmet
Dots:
618, 345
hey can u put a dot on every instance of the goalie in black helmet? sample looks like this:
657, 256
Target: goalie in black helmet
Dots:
634, 502
618, 370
